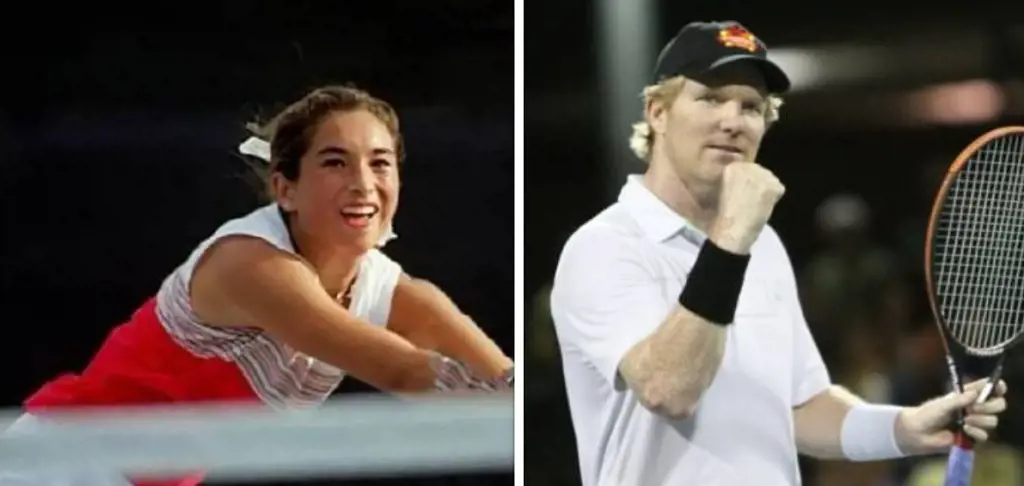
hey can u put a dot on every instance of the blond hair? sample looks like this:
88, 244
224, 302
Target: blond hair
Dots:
642, 138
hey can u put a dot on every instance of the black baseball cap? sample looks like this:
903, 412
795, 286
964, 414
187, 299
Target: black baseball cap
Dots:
703, 46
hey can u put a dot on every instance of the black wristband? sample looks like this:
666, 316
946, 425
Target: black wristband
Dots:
713, 286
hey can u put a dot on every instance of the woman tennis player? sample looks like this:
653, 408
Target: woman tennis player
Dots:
280, 304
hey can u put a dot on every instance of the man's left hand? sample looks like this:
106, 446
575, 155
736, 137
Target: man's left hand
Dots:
925, 429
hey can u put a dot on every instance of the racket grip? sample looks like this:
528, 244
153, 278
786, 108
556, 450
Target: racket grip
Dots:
959, 467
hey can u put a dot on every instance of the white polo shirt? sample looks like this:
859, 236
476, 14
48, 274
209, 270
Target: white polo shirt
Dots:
618, 277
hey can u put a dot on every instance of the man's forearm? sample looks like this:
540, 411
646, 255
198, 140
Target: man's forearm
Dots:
818, 423
836, 424
671, 368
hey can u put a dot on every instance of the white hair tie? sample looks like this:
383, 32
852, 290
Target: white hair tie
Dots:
259, 148
256, 147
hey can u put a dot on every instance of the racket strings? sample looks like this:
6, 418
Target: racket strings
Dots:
978, 254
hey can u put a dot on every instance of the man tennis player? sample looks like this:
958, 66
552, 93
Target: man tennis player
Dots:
686, 355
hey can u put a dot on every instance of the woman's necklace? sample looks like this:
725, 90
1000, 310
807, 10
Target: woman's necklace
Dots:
345, 296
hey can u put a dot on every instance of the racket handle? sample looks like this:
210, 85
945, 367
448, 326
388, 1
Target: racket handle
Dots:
960, 466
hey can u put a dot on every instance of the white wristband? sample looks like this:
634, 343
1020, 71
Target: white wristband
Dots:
869, 433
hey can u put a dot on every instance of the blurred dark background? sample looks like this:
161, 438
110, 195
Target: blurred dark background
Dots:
117, 154
886, 95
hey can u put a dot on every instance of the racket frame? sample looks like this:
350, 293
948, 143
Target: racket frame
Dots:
961, 455
952, 346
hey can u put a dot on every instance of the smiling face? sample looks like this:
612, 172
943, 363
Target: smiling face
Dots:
334, 162
346, 189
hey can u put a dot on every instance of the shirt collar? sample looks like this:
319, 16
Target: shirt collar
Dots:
658, 221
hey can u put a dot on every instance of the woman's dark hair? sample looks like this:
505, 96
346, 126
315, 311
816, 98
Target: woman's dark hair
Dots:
291, 131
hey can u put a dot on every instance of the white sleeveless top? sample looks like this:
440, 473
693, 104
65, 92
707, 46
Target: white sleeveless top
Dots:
281, 376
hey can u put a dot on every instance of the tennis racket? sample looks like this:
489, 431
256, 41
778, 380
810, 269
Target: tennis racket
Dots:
974, 266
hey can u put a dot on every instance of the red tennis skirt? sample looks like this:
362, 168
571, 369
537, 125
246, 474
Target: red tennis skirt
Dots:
139, 364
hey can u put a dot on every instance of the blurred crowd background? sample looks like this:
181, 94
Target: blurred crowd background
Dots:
886, 95
118, 141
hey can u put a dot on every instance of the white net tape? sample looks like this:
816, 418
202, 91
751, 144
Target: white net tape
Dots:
353, 437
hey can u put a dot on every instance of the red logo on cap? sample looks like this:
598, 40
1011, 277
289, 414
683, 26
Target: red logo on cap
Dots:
736, 36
